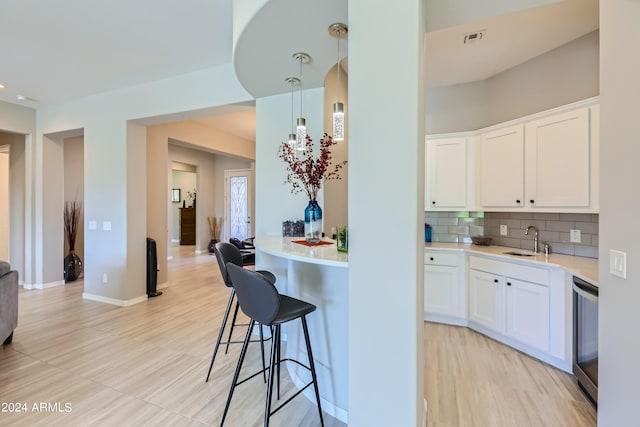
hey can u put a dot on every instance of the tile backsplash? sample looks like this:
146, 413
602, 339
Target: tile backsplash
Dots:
553, 228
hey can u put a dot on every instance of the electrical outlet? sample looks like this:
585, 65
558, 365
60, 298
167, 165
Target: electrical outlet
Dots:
574, 236
503, 230
105, 278
618, 263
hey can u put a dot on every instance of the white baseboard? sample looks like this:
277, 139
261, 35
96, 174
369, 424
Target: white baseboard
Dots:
43, 285
113, 301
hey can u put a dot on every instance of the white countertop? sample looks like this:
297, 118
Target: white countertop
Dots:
585, 268
284, 247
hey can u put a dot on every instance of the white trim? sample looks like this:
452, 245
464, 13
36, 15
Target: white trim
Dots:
113, 301
30, 286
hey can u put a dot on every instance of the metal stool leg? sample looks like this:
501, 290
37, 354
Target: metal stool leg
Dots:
237, 372
272, 364
264, 366
233, 323
312, 366
224, 324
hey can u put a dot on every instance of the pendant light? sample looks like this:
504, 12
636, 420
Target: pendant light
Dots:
293, 81
338, 31
301, 123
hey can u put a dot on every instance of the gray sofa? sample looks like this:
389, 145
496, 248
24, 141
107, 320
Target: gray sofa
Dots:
8, 302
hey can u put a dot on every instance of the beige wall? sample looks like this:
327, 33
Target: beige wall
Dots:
186, 182
205, 142
566, 74
4, 203
335, 209
74, 185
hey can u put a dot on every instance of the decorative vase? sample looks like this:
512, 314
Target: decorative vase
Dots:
72, 267
212, 244
312, 222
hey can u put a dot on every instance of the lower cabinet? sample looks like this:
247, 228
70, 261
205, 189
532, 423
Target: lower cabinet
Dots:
444, 293
510, 299
526, 306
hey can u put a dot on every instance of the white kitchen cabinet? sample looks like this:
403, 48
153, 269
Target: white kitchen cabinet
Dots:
502, 167
546, 162
447, 173
444, 293
511, 300
558, 161
486, 299
527, 312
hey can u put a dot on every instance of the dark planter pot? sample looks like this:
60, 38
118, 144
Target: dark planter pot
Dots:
72, 267
212, 244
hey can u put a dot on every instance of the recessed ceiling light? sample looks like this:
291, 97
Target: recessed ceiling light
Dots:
1, 86
24, 98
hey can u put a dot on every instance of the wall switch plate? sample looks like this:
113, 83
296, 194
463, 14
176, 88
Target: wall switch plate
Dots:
106, 225
618, 263
93, 225
105, 278
503, 230
574, 236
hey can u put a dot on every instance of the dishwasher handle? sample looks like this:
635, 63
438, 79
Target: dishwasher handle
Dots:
585, 289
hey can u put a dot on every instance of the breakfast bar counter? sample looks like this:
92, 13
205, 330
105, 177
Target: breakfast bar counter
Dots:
319, 275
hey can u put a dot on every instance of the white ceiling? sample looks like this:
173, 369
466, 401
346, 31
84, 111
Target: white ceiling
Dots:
53, 51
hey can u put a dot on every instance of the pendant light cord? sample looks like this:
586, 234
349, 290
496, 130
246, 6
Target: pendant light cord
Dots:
301, 86
338, 69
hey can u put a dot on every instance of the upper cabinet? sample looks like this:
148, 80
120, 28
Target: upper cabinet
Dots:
502, 168
449, 173
558, 155
546, 162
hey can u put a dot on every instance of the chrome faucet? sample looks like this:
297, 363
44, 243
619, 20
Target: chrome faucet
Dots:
535, 237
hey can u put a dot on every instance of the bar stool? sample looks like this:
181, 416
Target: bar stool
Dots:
226, 253
260, 301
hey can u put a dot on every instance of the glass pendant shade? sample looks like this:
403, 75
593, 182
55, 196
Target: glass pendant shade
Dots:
338, 121
292, 140
301, 133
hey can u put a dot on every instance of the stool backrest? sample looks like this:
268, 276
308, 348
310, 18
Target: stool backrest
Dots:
258, 297
227, 253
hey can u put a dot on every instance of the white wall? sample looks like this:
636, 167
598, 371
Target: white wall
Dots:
619, 348
386, 183
274, 201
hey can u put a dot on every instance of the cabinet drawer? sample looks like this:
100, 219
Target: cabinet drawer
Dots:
516, 271
441, 258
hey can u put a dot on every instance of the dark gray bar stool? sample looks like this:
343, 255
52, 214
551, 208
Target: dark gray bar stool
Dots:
226, 253
260, 301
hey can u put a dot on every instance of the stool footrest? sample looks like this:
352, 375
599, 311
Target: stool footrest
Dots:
290, 399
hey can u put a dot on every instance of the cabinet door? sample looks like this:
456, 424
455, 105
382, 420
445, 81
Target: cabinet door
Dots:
527, 313
443, 293
502, 167
558, 165
446, 173
486, 299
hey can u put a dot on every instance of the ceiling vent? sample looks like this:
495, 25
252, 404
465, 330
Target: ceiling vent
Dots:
474, 37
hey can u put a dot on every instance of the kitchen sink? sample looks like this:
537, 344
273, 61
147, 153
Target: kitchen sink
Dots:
518, 253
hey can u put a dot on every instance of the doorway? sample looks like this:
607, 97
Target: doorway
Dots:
4, 202
237, 201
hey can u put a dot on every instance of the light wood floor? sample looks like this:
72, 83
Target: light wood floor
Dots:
146, 364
